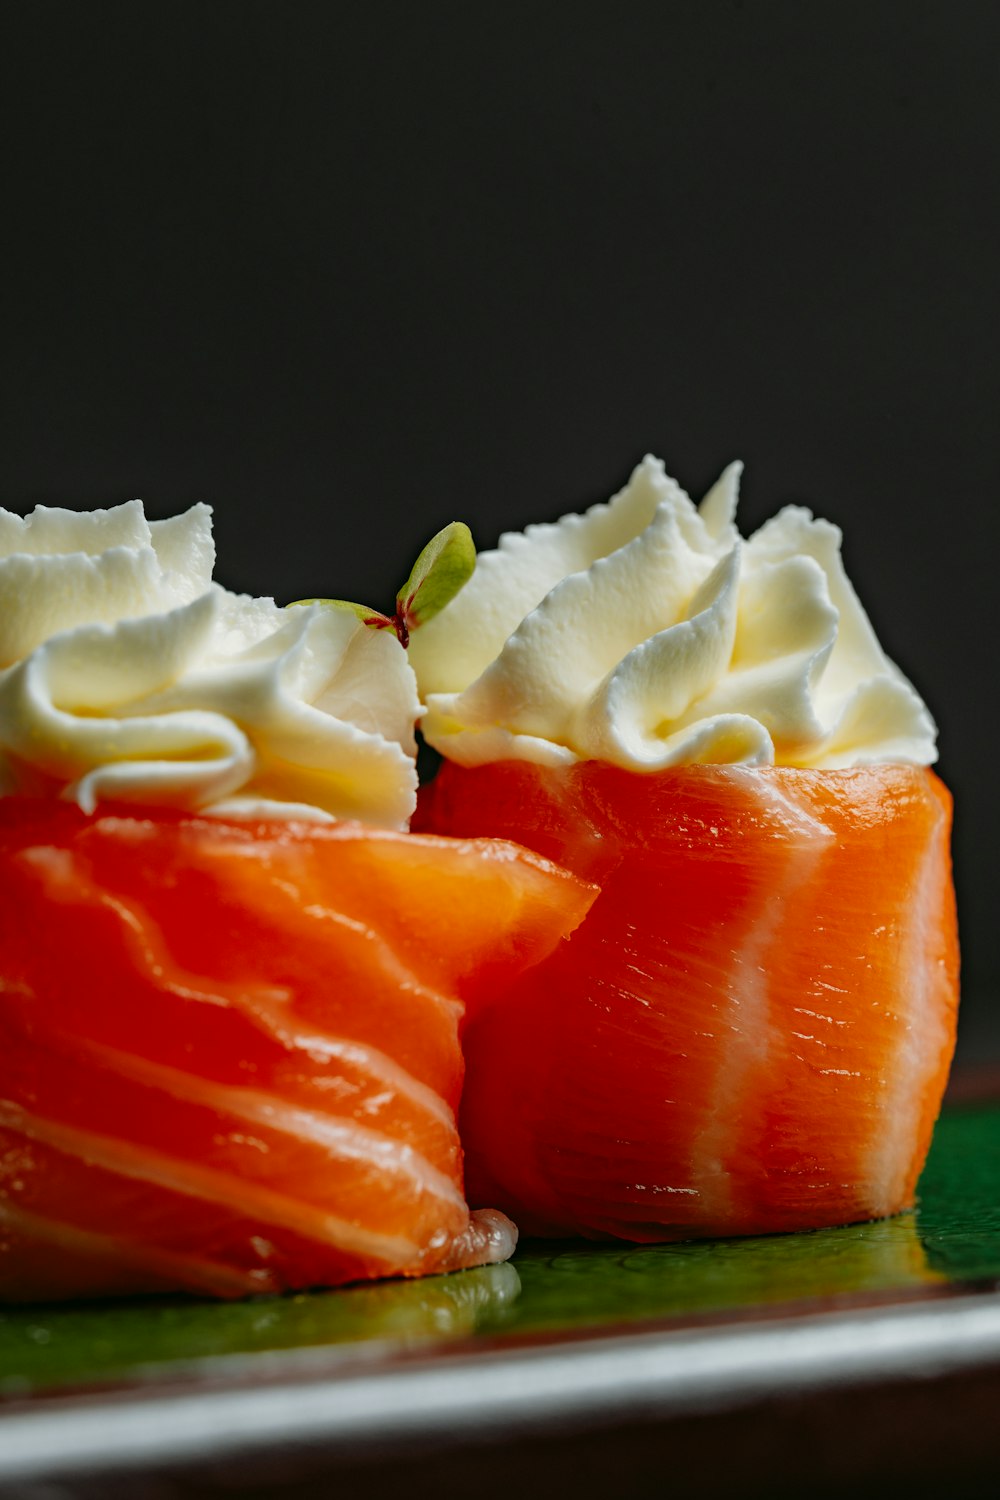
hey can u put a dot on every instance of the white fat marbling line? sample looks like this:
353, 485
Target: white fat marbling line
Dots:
923, 1037
170, 1266
246, 1199
806, 840
66, 878
344, 1140
324, 1048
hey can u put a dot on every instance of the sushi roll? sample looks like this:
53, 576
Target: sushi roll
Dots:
232, 986
752, 1029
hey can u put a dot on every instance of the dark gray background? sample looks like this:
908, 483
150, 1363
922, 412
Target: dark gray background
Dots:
348, 272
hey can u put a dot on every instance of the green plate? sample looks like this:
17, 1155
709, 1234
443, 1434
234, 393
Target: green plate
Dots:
548, 1290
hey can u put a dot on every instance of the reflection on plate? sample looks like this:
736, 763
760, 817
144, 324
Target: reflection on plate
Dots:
44, 1346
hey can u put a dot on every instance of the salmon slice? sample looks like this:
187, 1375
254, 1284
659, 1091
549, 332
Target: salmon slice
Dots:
752, 1029
230, 1053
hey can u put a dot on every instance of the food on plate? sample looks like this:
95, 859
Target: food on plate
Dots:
752, 1028
230, 1054
229, 1009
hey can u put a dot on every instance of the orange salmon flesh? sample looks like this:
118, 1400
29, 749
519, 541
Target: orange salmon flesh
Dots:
229, 1053
752, 1029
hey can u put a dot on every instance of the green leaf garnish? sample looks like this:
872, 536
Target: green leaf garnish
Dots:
371, 617
444, 566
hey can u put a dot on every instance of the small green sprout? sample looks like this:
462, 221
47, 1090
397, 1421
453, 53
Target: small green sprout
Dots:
444, 566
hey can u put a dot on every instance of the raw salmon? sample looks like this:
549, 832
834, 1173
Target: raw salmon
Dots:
229, 1052
752, 1029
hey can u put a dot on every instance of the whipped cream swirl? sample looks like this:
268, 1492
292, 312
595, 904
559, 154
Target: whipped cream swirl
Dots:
647, 634
127, 674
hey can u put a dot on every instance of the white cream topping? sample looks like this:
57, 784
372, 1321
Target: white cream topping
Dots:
647, 634
127, 674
